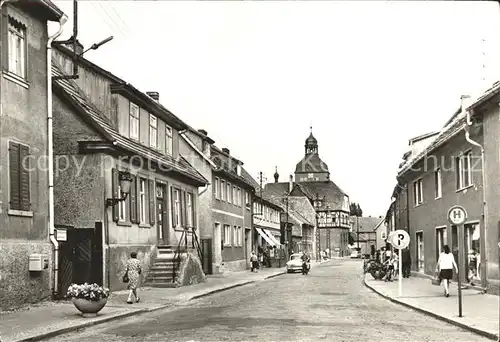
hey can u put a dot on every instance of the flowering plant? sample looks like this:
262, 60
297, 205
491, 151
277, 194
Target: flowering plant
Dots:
87, 291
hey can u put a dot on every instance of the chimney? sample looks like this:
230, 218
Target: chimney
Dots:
225, 150
202, 131
154, 95
290, 184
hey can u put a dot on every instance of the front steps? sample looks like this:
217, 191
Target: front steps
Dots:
161, 272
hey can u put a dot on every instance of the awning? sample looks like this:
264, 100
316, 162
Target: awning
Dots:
271, 236
264, 235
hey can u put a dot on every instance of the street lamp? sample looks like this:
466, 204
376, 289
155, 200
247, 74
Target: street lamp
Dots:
125, 180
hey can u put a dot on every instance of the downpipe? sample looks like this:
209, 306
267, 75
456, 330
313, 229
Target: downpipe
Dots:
50, 153
482, 228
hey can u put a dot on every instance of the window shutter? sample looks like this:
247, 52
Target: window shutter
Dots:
133, 200
114, 190
182, 199
24, 178
165, 205
172, 205
152, 194
14, 174
193, 210
137, 202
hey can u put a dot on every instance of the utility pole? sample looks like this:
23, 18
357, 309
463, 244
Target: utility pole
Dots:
357, 228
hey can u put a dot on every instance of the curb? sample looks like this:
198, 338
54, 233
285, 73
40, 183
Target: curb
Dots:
436, 316
221, 289
82, 326
275, 275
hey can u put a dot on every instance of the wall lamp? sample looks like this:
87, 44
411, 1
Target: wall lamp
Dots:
125, 180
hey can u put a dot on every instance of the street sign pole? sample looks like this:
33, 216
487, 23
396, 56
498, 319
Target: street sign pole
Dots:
457, 215
460, 263
400, 240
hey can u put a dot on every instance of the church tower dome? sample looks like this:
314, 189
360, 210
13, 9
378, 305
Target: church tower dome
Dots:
311, 168
311, 144
276, 175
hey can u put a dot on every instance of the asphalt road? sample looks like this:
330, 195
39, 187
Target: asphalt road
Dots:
330, 304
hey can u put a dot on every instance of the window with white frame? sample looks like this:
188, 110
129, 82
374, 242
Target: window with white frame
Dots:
247, 199
177, 207
235, 196
240, 236
418, 192
464, 170
134, 121
441, 240
239, 197
229, 193
153, 131
17, 48
142, 201
122, 207
189, 208
168, 140
222, 190
235, 236
216, 188
227, 235
438, 188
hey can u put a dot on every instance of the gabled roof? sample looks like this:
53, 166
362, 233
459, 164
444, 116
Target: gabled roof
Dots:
366, 224
69, 91
197, 150
486, 96
448, 132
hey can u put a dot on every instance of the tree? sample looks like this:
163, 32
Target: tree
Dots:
355, 209
360, 211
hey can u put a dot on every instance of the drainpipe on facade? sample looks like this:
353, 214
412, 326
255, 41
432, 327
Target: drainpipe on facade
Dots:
50, 153
482, 228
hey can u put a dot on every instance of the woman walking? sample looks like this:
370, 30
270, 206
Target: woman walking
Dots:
445, 266
133, 271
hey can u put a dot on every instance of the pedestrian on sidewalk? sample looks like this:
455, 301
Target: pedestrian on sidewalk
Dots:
445, 266
254, 262
134, 271
406, 262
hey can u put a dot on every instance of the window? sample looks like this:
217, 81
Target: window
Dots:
216, 188
418, 193
122, 208
153, 131
229, 193
238, 198
222, 190
142, 201
247, 200
441, 240
227, 235
177, 208
235, 236
17, 48
168, 140
134, 121
189, 208
19, 173
420, 251
464, 174
240, 236
235, 196
438, 183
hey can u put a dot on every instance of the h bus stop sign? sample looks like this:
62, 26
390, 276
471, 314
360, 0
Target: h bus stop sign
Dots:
457, 215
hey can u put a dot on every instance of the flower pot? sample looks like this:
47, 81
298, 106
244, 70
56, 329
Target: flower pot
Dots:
86, 306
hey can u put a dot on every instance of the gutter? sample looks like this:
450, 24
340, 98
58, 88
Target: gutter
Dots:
50, 137
482, 229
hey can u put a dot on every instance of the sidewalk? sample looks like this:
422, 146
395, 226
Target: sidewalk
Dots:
480, 311
49, 319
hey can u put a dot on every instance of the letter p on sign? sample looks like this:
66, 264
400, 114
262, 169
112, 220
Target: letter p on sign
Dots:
457, 215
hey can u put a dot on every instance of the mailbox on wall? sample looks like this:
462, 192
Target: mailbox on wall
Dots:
38, 262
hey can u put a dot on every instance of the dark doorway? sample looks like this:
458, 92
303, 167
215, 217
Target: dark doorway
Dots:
206, 248
161, 214
80, 258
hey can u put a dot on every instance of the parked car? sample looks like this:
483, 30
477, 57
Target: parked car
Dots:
355, 253
295, 263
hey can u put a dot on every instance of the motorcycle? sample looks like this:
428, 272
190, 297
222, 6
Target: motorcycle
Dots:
376, 269
306, 266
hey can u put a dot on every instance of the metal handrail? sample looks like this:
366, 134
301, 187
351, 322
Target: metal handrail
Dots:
196, 244
177, 256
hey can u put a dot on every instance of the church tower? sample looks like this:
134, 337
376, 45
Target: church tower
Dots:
311, 168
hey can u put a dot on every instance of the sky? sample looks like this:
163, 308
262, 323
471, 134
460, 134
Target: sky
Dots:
367, 76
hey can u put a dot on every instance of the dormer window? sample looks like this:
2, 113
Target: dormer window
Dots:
134, 121
153, 131
168, 140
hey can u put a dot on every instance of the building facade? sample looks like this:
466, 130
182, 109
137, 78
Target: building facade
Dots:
24, 202
231, 212
365, 231
108, 133
446, 173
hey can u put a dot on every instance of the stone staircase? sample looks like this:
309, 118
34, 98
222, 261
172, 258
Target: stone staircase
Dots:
161, 271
